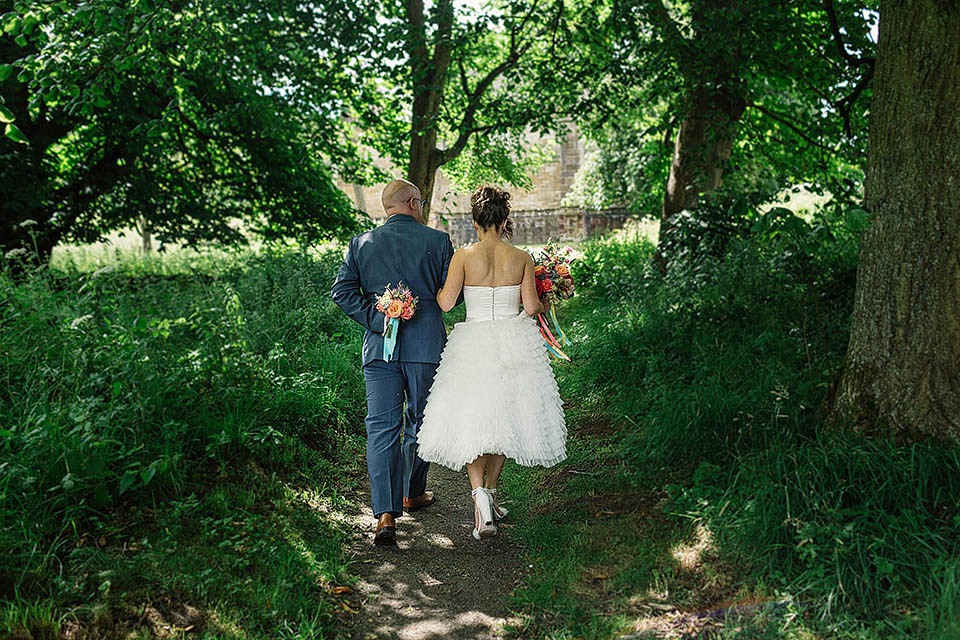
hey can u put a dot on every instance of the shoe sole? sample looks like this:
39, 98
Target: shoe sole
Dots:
483, 535
385, 537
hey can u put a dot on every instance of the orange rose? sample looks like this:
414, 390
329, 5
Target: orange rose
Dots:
540, 270
407, 313
394, 309
563, 270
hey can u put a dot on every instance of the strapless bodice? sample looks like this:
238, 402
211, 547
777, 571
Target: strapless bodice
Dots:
491, 303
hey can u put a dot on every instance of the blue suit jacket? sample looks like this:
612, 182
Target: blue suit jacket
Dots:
404, 250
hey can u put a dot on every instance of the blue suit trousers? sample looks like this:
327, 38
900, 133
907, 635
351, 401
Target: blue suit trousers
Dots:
396, 396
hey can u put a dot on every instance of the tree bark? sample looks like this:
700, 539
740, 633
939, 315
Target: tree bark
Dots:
146, 238
902, 370
714, 101
429, 72
702, 147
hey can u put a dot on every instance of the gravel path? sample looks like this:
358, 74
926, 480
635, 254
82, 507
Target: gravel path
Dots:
438, 582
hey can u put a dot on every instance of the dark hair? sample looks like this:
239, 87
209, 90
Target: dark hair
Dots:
491, 207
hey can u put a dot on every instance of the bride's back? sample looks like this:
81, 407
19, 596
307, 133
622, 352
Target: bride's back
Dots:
495, 264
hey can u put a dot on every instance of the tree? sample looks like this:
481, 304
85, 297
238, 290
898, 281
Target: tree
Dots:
768, 94
181, 117
902, 367
466, 73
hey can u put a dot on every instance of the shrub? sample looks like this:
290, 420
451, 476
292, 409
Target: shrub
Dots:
120, 385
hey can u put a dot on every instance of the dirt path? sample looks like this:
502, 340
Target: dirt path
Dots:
438, 582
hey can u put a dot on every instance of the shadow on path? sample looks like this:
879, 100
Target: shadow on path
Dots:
438, 582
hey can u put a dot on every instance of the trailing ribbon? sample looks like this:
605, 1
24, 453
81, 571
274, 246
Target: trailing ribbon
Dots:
551, 343
556, 327
390, 330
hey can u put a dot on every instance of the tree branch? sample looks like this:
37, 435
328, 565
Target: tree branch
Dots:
782, 119
466, 127
463, 77
844, 104
443, 47
852, 60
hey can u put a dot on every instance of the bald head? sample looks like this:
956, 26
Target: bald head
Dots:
397, 193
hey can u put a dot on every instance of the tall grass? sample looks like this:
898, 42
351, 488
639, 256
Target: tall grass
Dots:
137, 385
711, 379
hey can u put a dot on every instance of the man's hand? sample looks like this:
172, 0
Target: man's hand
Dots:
545, 301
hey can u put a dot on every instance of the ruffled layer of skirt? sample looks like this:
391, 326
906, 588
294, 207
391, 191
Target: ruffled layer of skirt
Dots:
494, 392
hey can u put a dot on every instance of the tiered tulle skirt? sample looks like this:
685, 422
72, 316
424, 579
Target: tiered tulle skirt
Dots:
494, 392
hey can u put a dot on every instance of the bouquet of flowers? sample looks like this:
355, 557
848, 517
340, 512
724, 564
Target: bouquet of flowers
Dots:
552, 272
397, 303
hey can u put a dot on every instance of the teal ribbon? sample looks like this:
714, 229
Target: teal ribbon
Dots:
557, 330
390, 332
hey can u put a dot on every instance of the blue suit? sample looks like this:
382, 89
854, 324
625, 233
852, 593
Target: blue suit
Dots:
400, 250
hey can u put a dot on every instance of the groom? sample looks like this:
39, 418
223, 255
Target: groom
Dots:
400, 250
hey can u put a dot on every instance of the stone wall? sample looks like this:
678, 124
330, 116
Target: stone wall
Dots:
549, 186
565, 224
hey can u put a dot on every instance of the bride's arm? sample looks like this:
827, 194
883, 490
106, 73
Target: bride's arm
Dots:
528, 289
450, 291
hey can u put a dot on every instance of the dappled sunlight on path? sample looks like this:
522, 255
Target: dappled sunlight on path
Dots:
438, 582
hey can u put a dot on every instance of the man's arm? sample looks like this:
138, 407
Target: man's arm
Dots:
451, 293
348, 295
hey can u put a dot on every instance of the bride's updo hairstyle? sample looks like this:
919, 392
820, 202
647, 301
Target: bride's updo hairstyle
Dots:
491, 208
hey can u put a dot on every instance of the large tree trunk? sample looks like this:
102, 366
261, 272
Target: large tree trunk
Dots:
429, 73
423, 167
702, 147
714, 102
902, 370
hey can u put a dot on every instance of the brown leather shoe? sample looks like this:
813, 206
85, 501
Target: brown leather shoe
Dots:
419, 502
386, 533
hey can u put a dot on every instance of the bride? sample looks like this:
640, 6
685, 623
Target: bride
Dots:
494, 395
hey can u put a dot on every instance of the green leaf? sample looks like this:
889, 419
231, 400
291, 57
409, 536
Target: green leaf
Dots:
6, 433
6, 70
127, 481
147, 475
21, 40
13, 132
10, 21
6, 115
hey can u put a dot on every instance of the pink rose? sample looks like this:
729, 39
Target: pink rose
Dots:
407, 313
547, 286
394, 309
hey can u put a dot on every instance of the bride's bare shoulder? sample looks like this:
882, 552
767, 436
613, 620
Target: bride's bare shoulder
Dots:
521, 255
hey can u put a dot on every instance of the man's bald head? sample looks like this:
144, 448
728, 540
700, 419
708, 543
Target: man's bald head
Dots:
397, 194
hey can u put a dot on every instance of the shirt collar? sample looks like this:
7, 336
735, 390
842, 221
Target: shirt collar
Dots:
398, 216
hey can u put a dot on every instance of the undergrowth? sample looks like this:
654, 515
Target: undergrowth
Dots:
696, 400
166, 440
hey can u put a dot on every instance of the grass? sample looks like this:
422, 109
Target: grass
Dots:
180, 438
704, 490
176, 434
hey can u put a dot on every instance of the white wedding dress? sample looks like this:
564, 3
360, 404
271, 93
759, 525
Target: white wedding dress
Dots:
494, 390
